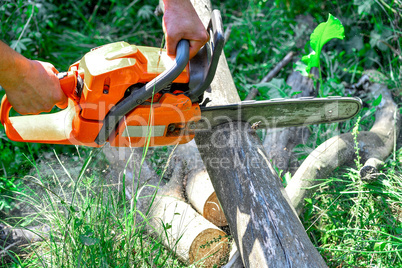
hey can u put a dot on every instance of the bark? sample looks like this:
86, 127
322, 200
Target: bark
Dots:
369, 172
377, 143
266, 229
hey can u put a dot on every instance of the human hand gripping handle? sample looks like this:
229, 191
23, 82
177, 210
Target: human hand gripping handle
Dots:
46, 128
67, 83
181, 21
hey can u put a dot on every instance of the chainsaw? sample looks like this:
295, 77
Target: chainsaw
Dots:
131, 95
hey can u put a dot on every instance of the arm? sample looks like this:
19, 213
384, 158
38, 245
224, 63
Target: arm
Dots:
31, 86
181, 21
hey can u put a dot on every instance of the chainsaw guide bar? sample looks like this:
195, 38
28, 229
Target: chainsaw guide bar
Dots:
278, 113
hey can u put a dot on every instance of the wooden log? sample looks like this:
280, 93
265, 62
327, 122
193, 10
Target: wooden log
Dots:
193, 239
377, 143
181, 229
266, 229
369, 172
252, 206
198, 187
202, 196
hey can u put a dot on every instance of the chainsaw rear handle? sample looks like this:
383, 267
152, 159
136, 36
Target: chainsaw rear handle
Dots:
68, 83
71, 83
139, 96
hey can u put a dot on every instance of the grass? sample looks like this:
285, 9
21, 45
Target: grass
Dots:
352, 223
358, 224
92, 224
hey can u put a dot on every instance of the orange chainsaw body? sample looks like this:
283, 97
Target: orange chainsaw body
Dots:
107, 73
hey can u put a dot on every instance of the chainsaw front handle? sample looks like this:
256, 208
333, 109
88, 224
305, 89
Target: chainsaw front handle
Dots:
203, 65
137, 97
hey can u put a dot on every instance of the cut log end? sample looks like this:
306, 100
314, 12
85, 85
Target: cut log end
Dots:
369, 172
213, 211
209, 248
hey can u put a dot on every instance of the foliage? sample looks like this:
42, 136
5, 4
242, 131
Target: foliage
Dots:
351, 222
322, 34
260, 37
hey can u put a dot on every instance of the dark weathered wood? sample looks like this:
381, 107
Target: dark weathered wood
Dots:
369, 171
377, 143
266, 229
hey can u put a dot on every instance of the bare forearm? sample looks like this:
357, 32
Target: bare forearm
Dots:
31, 86
13, 66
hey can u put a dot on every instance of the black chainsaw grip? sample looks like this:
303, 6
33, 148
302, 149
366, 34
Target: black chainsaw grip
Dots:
138, 96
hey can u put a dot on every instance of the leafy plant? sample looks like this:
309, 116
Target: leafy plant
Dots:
323, 33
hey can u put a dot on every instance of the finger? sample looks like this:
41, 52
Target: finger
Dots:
62, 105
171, 45
49, 66
62, 98
195, 47
53, 68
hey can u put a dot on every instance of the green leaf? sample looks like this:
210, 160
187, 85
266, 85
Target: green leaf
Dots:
301, 68
377, 101
78, 223
276, 88
72, 209
324, 32
296, 92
